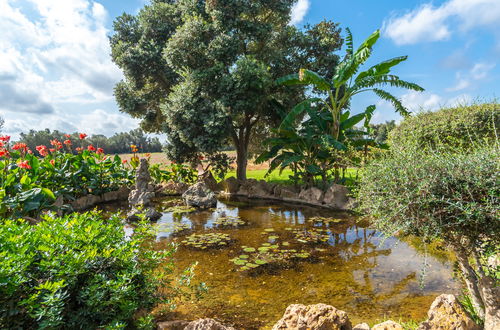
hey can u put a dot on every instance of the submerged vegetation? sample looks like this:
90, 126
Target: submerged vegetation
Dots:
207, 241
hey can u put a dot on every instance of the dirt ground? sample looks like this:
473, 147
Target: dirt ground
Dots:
161, 158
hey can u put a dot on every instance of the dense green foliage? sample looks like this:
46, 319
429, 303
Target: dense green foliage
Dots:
380, 132
119, 143
327, 140
79, 272
462, 127
30, 181
435, 195
204, 71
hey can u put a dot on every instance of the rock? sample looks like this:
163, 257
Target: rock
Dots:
173, 188
388, 325
336, 197
206, 324
231, 185
210, 181
288, 193
117, 195
311, 195
198, 195
144, 191
361, 326
447, 313
259, 189
313, 317
172, 325
149, 213
85, 202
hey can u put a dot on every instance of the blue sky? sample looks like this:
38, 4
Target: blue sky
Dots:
55, 70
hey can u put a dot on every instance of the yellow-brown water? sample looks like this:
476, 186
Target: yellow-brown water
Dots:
357, 271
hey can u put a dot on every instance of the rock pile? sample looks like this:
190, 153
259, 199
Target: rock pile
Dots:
140, 198
200, 196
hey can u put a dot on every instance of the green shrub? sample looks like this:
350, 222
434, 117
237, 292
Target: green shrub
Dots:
78, 272
463, 127
451, 196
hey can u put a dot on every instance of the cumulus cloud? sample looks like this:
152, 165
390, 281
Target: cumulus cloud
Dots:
299, 11
429, 23
471, 78
55, 65
416, 101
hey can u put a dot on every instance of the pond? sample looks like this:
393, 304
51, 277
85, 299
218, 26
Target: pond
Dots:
280, 254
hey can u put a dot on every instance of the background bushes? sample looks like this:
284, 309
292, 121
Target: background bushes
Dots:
77, 272
461, 127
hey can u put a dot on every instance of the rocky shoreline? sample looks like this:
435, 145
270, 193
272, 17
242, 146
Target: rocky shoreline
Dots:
445, 313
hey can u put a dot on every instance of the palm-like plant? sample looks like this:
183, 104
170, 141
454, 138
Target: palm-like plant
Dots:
345, 84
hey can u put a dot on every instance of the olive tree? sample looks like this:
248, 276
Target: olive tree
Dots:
204, 71
449, 196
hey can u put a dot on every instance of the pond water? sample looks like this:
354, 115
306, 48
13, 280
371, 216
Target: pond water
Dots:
340, 262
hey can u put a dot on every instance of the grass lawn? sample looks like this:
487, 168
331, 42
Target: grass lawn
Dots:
283, 178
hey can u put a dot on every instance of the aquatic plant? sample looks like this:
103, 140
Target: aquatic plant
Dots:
267, 254
180, 209
311, 236
229, 221
174, 228
207, 241
324, 221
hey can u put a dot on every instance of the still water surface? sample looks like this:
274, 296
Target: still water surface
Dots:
356, 270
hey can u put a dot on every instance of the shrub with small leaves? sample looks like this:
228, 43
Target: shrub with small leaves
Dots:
80, 272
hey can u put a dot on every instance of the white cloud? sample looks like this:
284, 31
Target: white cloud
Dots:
416, 101
471, 79
429, 23
299, 11
55, 68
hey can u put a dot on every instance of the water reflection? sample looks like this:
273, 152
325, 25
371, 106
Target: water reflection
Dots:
357, 270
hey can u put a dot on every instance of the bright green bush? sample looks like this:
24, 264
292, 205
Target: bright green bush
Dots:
78, 272
454, 197
463, 127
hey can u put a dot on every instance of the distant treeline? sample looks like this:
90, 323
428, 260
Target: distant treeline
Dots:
117, 144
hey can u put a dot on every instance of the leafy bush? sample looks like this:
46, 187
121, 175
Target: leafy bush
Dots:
79, 272
462, 127
451, 196
30, 183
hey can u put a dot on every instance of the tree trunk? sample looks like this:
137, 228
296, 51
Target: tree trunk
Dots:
471, 280
241, 161
490, 292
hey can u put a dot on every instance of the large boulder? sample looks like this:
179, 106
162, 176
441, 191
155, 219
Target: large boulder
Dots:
361, 326
206, 324
198, 195
311, 195
447, 313
173, 188
388, 325
337, 197
231, 185
116, 195
172, 325
259, 189
287, 193
313, 317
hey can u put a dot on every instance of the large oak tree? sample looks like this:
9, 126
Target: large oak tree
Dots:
204, 71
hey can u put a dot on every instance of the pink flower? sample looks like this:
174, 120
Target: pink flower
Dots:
24, 164
82, 136
90, 148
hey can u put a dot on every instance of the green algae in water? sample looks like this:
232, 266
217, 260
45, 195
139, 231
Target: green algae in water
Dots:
180, 209
311, 236
324, 221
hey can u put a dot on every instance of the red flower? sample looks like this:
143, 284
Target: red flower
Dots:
124, 161
24, 164
52, 162
42, 150
30, 152
82, 136
67, 135
79, 149
52, 150
20, 146
4, 153
100, 150
4, 138
1, 144
67, 142
90, 148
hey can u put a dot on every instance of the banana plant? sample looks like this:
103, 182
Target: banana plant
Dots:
347, 82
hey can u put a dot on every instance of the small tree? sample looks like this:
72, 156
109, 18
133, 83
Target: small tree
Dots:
449, 196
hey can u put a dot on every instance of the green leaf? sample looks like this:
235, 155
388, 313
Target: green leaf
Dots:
48, 193
298, 110
313, 78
